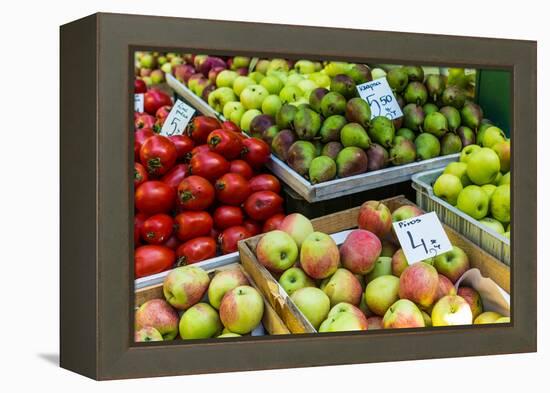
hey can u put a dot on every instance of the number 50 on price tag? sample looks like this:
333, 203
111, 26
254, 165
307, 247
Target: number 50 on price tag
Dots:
422, 237
380, 98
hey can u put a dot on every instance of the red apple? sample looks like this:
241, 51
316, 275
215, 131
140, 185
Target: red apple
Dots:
185, 286
139, 86
375, 323
473, 298
375, 217
398, 263
418, 283
452, 264
360, 251
319, 256
183, 72
444, 287
158, 314
403, 314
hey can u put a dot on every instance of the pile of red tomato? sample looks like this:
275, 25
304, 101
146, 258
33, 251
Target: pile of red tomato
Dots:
198, 194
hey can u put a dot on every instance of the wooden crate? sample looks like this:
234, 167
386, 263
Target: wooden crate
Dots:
271, 320
488, 265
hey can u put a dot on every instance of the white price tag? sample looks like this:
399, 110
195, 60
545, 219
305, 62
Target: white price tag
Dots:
139, 102
380, 98
422, 237
177, 119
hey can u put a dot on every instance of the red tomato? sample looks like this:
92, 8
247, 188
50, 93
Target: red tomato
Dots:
137, 146
154, 197
195, 193
141, 136
265, 182
191, 224
157, 229
172, 242
154, 99
230, 126
196, 250
144, 120
225, 143
140, 175
229, 237
255, 151
157, 127
201, 126
139, 219
184, 145
152, 259
228, 216
139, 86
252, 226
209, 165
263, 204
174, 177
158, 154
242, 168
273, 222
163, 112
232, 189
198, 149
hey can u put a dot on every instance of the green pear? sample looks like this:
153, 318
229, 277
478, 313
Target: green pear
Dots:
331, 127
322, 169
353, 134
427, 146
382, 131
450, 144
436, 124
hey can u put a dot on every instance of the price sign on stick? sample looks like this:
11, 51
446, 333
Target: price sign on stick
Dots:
380, 98
139, 102
422, 237
177, 119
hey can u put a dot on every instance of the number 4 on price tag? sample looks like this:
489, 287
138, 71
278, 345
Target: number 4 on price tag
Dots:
177, 119
422, 237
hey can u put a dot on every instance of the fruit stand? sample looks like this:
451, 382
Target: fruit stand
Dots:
268, 194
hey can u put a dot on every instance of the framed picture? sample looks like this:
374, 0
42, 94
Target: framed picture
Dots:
242, 196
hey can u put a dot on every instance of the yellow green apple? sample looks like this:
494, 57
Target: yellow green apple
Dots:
381, 293
242, 309
451, 310
473, 201
448, 187
200, 321
313, 303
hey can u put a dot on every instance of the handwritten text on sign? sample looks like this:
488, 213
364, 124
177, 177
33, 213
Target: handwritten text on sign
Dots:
380, 98
422, 237
177, 119
139, 102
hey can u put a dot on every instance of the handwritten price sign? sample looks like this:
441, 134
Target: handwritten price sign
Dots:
380, 98
177, 119
422, 237
138, 102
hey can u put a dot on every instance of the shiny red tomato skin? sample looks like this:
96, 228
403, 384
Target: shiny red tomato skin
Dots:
242, 168
227, 216
191, 224
184, 145
153, 197
229, 238
158, 155
232, 189
230, 126
201, 126
157, 229
154, 99
209, 165
195, 193
225, 143
139, 86
263, 204
152, 259
141, 136
196, 250
144, 120
265, 182
139, 219
197, 150
172, 242
273, 222
255, 151
252, 226
140, 175
175, 175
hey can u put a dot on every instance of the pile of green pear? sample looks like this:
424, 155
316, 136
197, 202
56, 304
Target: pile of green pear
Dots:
310, 113
479, 183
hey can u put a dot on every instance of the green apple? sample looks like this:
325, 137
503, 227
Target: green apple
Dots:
487, 317
448, 187
166, 68
247, 117
337, 67
253, 95
502, 148
230, 107
294, 79
200, 321
497, 180
221, 96
381, 293
483, 166
505, 179
226, 78
237, 115
157, 76
257, 76
176, 60
223, 282
304, 66
147, 334
489, 189
272, 84
147, 61
278, 65
290, 94
307, 86
277, 251
500, 203
298, 226
344, 317
320, 79
240, 62
242, 309
228, 335
467, 152
493, 224
295, 278
262, 66
452, 264
451, 310
459, 170
403, 314
344, 287
241, 82
271, 105
492, 136
313, 303
185, 286
283, 76
473, 201
382, 267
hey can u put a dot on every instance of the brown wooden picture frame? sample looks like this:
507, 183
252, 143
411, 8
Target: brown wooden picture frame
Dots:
96, 296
